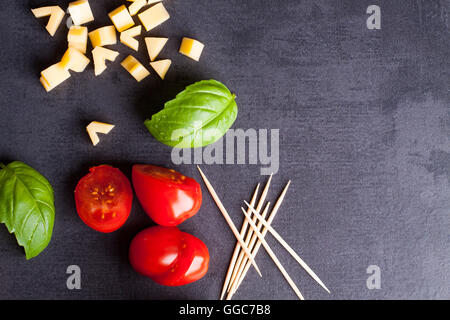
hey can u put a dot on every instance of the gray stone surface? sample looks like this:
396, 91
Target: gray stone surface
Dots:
364, 137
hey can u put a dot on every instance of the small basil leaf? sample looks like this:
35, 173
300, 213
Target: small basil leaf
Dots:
27, 206
198, 116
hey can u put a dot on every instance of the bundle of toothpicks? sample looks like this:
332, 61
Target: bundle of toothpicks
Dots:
252, 236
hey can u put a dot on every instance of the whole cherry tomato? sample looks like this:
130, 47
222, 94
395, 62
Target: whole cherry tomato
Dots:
103, 198
167, 196
168, 256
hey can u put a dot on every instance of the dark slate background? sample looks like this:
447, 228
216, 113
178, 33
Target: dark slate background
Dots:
364, 136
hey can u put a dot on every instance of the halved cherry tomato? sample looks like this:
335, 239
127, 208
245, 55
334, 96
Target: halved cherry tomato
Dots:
103, 198
167, 196
168, 256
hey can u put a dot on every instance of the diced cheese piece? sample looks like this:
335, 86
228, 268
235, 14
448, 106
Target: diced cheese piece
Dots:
136, 6
54, 76
95, 127
81, 12
43, 11
77, 38
103, 36
154, 16
56, 15
161, 67
121, 18
135, 68
100, 56
191, 48
127, 37
74, 60
154, 46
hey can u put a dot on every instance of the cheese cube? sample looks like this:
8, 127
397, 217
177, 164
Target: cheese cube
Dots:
81, 12
54, 76
127, 37
136, 6
154, 16
95, 127
154, 46
100, 55
103, 36
121, 18
191, 48
56, 15
77, 38
135, 68
161, 67
74, 60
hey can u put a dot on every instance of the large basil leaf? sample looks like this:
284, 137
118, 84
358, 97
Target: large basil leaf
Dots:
27, 206
198, 116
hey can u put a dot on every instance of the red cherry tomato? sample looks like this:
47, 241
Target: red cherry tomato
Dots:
167, 196
168, 256
103, 198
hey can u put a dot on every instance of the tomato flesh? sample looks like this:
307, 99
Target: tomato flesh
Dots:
167, 196
168, 256
104, 198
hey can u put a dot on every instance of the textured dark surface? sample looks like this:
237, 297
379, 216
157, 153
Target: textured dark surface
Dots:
364, 135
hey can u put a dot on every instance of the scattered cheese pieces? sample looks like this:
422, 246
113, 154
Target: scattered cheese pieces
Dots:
135, 68
127, 37
103, 36
54, 76
161, 67
154, 46
95, 127
74, 60
191, 48
121, 18
56, 15
100, 56
154, 16
77, 38
136, 6
81, 12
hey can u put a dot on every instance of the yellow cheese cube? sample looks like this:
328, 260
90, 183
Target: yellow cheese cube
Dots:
100, 55
95, 127
74, 60
77, 38
136, 6
127, 37
54, 76
161, 67
81, 12
191, 48
56, 15
154, 46
154, 16
103, 36
121, 18
135, 68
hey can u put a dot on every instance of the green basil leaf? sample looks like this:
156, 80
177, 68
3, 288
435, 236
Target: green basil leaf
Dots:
27, 206
198, 116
